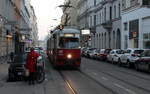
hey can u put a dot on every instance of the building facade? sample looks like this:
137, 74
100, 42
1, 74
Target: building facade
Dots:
135, 24
116, 23
105, 24
14, 25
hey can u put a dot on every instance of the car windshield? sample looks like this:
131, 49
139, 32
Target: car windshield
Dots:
146, 53
120, 52
127, 51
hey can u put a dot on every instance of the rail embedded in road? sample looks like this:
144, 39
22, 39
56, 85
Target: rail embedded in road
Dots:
68, 83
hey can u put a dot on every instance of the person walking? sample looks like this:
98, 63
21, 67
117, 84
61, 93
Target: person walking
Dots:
31, 65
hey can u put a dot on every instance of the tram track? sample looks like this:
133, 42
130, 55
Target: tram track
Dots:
131, 84
68, 83
125, 81
129, 73
96, 81
147, 79
89, 77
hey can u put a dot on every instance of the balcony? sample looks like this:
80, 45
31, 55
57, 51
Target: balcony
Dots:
107, 25
106, 1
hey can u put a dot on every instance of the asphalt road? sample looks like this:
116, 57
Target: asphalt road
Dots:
94, 77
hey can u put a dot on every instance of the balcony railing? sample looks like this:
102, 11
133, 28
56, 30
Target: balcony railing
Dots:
106, 1
107, 25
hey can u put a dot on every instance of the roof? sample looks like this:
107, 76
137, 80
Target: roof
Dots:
67, 30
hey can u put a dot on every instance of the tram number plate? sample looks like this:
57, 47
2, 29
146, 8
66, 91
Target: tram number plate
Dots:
19, 73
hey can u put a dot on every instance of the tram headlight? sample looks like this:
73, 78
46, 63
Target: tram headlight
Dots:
69, 56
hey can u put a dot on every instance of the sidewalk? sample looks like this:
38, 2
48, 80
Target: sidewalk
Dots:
3, 59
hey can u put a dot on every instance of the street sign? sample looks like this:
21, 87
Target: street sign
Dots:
85, 32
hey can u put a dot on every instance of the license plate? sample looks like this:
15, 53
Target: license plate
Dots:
19, 73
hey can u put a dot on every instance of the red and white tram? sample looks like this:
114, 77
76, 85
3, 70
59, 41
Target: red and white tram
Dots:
64, 48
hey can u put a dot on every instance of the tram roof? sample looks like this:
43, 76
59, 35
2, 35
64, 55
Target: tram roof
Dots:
67, 30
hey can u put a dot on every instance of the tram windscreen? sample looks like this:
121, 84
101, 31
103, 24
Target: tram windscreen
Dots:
68, 42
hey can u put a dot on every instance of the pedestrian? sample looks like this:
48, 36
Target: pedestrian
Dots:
31, 65
12, 56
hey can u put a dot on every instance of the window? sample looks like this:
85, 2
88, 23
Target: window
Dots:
94, 20
94, 2
100, 18
119, 10
146, 53
123, 4
91, 21
133, 2
114, 11
145, 36
105, 13
110, 13
125, 26
146, 2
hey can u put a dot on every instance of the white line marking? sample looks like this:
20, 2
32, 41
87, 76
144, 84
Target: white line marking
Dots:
126, 89
104, 78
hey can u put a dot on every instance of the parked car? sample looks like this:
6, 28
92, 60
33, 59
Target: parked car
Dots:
143, 62
130, 56
84, 52
39, 50
90, 52
103, 54
93, 53
114, 55
16, 70
96, 53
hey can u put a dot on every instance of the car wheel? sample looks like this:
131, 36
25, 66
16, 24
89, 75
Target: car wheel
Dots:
112, 61
119, 62
136, 67
128, 64
149, 68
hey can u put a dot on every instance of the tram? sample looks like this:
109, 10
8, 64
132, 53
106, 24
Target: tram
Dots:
63, 48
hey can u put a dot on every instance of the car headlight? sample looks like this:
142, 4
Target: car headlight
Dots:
69, 56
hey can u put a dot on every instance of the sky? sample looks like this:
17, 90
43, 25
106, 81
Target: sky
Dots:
48, 15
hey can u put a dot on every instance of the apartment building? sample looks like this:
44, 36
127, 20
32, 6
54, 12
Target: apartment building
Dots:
82, 20
104, 19
14, 25
135, 24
